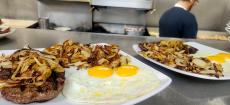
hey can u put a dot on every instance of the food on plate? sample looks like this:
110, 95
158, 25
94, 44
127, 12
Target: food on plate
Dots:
206, 67
219, 58
87, 55
167, 51
4, 29
103, 71
127, 70
101, 85
29, 75
176, 54
107, 55
70, 52
106, 76
100, 71
1, 21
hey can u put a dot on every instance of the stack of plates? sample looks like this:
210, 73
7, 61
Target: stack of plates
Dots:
227, 28
5, 29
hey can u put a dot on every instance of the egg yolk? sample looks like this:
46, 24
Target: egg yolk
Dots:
224, 55
127, 70
216, 59
219, 58
100, 72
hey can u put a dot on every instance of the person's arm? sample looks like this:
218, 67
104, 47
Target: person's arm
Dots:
190, 27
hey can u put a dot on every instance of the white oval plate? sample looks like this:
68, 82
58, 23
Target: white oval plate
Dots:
201, 48
12, 30
60, 100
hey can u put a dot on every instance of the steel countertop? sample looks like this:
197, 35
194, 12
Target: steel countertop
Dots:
183, 90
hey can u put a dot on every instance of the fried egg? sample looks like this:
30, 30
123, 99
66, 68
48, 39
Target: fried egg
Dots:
100, 72
102, 85
219, 58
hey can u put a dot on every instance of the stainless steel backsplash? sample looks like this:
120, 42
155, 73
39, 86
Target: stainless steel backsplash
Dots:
211, 14
18, 9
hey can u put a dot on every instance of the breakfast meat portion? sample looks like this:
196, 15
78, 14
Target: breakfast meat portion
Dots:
5, 68
22, 94
30, 76
87, 55
176, 54
5, 73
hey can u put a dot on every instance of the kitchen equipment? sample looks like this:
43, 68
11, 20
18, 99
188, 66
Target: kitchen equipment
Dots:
43, 22
140, 4
227, 28
134, 30
228, 24
62, 28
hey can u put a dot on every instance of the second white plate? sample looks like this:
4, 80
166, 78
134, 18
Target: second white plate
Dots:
203, 49
12, 30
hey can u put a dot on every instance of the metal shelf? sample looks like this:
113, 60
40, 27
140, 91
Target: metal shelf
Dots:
139, 4
86, 1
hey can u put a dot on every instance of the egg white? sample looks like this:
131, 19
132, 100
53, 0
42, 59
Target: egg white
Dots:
226, 68
81, 88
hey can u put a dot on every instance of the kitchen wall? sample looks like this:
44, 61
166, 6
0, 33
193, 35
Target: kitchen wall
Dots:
18, 9
120, 16
211, 14
71, 14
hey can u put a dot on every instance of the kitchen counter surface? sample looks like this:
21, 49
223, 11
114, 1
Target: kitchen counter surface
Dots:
202, 34
15, 23
184, 90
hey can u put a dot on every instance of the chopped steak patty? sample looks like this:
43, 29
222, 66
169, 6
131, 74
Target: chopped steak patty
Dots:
5, 73
26, 93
